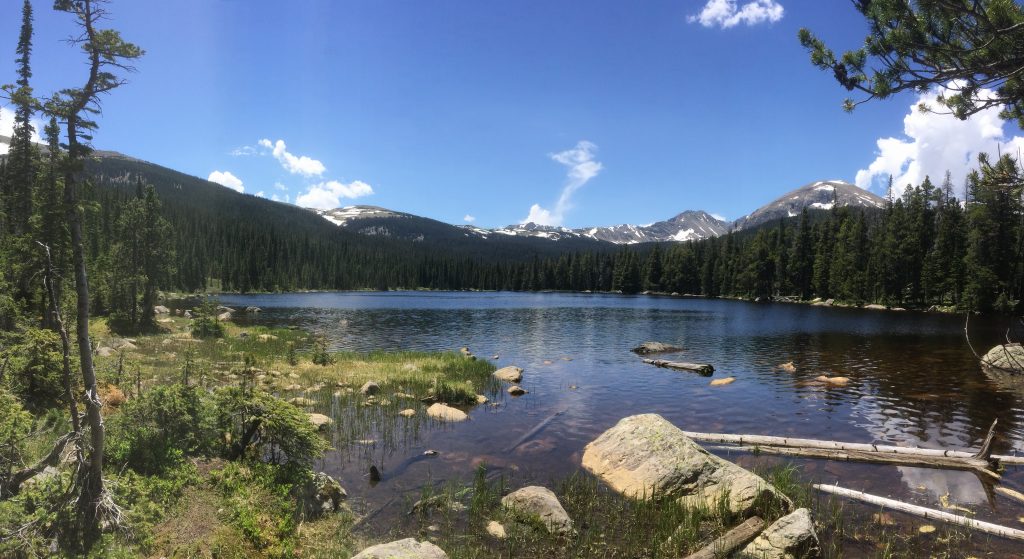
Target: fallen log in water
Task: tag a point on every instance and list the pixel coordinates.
(924, 512)
(731, 540)
(765, 440)
(975, 465)
(699, 368)
(533, 432)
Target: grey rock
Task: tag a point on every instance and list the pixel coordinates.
(645, 456)
(1005, 358)
(790, 537)
(648, 348)
(509, 374)
(542, 503)
(320, 495)
(160, 309)
(408, 548)
(370, 388)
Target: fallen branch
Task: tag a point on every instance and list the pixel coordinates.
(700, 368)
(924, 512)
(533, 432)
(731, 540)
(13, 485)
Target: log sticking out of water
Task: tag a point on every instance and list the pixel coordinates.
(924, 512)
(699, 368)
(971, 464)
(731, 540)
(766, 441)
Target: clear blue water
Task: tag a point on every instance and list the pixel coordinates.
(914, 381)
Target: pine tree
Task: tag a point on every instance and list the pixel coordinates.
(20, 172)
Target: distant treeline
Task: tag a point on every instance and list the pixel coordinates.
(150, 228)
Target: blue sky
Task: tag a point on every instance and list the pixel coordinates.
(596, 112)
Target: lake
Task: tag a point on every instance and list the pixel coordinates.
(914, 382)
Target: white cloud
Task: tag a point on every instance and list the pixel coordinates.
(278, 198)
(727, 13)
(244, 151)
(279, 186)
(582, 168)
(7, 128)
(468, 218)
(261, 194)
(225, 178)
(327, 195)
(936, 143)
(296, 165)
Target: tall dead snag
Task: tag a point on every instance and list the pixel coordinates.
(107, 53)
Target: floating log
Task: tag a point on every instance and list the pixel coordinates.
(975, 465)
(1011, 493)
(731, 540)
(699, 368)
(765, 440)
(924, 512)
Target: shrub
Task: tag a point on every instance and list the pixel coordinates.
(15, 424)
(320, 354)
(154, 432)
(262, 425)
(36, 368)
(204, 322)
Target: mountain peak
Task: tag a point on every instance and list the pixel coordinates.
(818, 195)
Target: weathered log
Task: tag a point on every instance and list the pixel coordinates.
(699, 368)
(765, 440)
(975, 465)
(731, 540)
(924, 512)
(1011, 493)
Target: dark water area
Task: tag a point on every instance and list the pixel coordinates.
(914, 382)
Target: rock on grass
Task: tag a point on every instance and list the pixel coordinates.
(408, 548)
(542, 503)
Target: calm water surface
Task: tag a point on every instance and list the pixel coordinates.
(914, 382)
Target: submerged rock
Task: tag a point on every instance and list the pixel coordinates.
(834, 381)
(788, 367)
(542, 503)
(445, 412)
(509, 374)
(645, 456)
(408, 548)
(723, 381)
(648, 348)
(1005, 358)
(516, 390)
(790, 537)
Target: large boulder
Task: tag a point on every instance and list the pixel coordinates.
(648, 348)
(444, 412)
(408, 548)
(542, 503)
(1005, 358)
(321, 494)
(224, 316)
(509, 374)
(790, 537)
(645, 456)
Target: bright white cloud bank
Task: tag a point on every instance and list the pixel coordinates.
(225, 178)
(328, 195)
(936, 143)
(7, 128)
(582, 167)
(294, 164)
(729, 13)
(468, 218)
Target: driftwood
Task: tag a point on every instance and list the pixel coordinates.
(731, 540)
(1011, 493)
(700, 368)
(924, 512)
